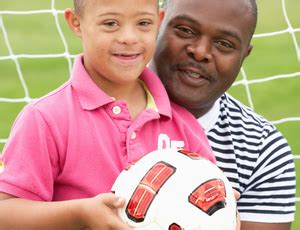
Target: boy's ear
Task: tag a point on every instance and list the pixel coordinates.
(73, 21)
(161, 14)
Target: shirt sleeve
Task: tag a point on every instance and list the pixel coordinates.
(30, 158)
(270, 194)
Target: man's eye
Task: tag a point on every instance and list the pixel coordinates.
(225, 44)
(184, 31)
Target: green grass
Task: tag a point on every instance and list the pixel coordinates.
(37, 34)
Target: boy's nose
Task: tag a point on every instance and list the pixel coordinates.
(128, 35)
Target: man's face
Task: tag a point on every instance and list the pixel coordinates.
(201, 47)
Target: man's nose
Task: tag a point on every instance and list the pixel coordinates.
(200, 50)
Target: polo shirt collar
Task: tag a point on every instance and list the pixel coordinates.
(89, 94)
(157, 91)
(91, 97)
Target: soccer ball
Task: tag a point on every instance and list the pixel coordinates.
(176, 189)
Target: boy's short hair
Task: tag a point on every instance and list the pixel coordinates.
(79, 6)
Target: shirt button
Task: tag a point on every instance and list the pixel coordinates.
(116, 110)
(133, 135)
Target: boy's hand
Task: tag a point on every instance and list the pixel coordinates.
(100, 212)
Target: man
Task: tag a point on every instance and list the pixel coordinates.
(201, 47)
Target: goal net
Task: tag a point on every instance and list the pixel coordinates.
(37, 51)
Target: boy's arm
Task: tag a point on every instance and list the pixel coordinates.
(96, 213)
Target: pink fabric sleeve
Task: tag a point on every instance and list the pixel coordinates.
(30, 158)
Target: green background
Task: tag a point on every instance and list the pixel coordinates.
(37, 34)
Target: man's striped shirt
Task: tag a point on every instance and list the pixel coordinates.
(255, 157)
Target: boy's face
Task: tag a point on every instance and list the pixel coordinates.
(118, 37)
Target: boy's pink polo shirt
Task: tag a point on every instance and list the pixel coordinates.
(75, 141)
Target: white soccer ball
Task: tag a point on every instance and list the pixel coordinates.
(176, 189)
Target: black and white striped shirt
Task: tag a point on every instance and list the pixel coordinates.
(256, 159)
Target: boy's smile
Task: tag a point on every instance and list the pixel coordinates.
(118, 39)
(129, 59)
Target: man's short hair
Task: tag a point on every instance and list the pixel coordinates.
(253, 9)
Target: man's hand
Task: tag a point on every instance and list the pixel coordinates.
(237, 196)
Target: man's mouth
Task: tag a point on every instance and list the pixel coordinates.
(194, 71)
(192, 74)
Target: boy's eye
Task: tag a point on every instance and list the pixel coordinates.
(110, 23)
(144, 23)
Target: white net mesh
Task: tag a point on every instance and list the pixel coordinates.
(278, 65)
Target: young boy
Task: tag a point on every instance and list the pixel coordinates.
(69, 146)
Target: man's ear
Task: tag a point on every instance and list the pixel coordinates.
(73, 21)
(249, 49)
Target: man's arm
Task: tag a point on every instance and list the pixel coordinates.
(273, 187)
(95, 213)
(246, 225)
